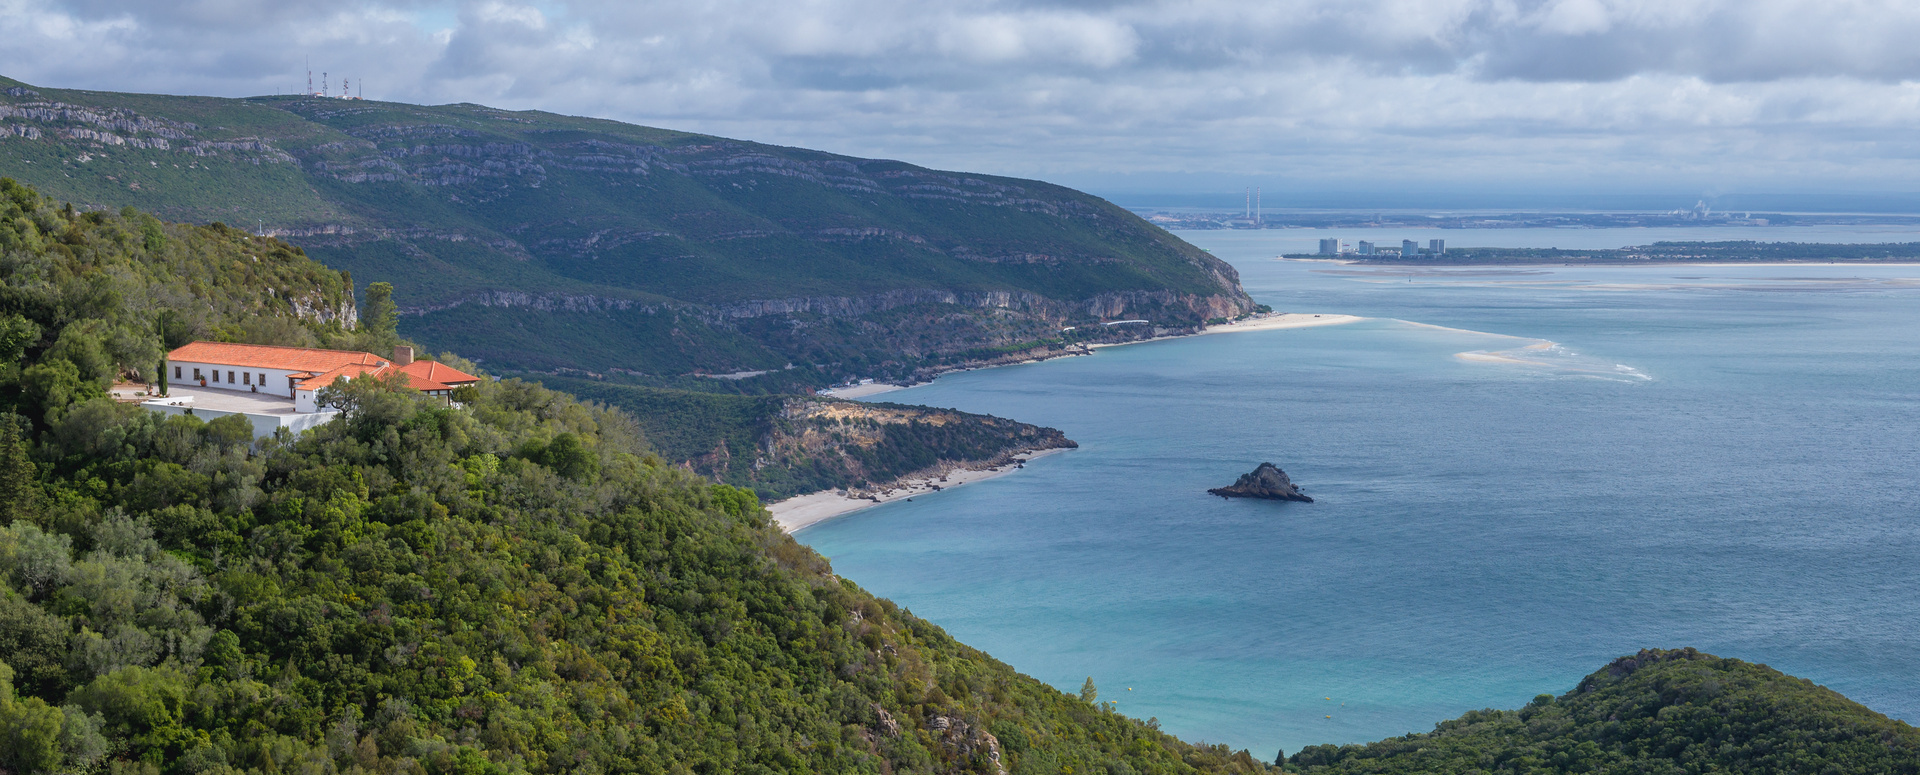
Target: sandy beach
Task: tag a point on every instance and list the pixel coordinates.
(795, 513)
(862, 391)
(1283, 320)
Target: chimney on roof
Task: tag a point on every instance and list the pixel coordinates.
(402, 355)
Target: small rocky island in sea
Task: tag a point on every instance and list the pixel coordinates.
(1267, 481)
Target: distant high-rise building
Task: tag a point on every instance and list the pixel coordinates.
(1437, 247)
(1366, 248)
(1330, 246)
(1409, 247)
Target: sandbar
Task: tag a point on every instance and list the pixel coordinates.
(1487, 357)
(811, 509)
(1282, 320)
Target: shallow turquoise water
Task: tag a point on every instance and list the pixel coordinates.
(1716, 457)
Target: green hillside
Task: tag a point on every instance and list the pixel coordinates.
(516, 584)
(1652, 713)
(538, 241)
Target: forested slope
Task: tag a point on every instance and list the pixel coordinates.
(1653, 713)
(516, 584)
(531, 240)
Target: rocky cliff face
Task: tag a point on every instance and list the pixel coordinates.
(862, 447)
(492, 223)
(1267, 481)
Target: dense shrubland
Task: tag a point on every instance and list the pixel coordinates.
(514, 583)
(1655, 713)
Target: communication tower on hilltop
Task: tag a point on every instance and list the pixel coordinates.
(309, 76)
(323, 84)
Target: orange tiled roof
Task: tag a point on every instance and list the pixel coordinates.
(425, 386)
(440, 375)
(350, 371)
(260, 356)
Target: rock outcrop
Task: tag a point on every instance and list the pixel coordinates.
(1268, 482)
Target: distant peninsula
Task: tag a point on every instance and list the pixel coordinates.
(1734, 251)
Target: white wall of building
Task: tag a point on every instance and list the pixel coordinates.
(254, 380)
(263, 424)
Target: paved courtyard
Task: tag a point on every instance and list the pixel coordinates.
(230, 401)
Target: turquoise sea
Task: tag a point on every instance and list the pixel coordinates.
(1719, 457)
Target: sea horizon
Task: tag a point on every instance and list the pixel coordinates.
(1522, 473)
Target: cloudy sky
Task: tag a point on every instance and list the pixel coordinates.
(1190, 96)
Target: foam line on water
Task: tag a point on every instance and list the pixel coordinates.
(1540, 354)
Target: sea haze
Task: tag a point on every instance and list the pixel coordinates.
(1717, 457)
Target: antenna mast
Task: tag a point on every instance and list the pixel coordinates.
(309, 76)
(324, 88)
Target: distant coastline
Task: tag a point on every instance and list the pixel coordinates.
(1736, 253)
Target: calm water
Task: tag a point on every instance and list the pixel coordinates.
(1722, 458)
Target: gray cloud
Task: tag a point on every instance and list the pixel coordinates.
(1416, 92)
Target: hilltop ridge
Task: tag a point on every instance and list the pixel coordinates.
(1655, 711)
(537, 241)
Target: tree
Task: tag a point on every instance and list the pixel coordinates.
(174, 329)
(568, 457)
(1089, 692)
(54, 385)
(16, 335)
(379, 324)
(29, 734)
(229, 431)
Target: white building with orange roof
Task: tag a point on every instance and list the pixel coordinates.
(279, 386)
